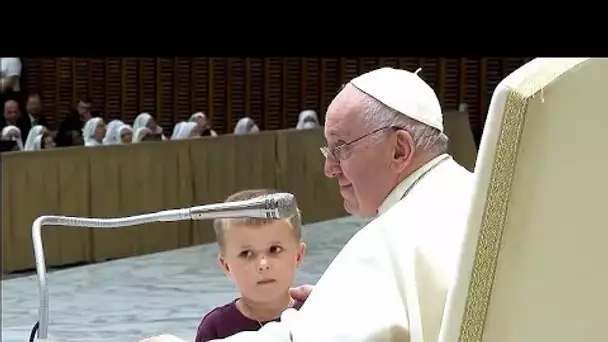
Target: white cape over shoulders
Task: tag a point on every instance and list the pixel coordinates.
(390, 281)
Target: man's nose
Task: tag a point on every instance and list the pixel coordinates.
(331, 167)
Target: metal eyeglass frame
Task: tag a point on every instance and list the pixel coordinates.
(332, 151)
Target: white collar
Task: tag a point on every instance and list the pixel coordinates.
(400, 190)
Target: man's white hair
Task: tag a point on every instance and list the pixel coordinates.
(427, 139)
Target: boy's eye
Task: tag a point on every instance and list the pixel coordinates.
(276, 249)
(245, 254)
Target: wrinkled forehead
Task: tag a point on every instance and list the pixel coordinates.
(344, 118)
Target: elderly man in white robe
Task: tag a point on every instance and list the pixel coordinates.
(387, 150)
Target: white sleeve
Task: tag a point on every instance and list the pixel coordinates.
(12, 66)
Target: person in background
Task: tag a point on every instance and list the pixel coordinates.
(34, 132)
(146, 120)
(112, 137)
(10, 80)
(125, 134)
(204, 126)
(246, 125)
(176, 129)
(263, 271)
(188, 130)
(308, 119)
(44, 142)
(141, 134)
(33, 107)
(70, 130)
(12, 117)
(13, 133)
(93, 132)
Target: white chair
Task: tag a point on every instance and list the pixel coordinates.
(534, 266)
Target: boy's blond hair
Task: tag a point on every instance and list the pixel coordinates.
(220, 225)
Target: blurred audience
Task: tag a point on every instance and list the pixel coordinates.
(43, 142)
(84, 126)
(33, 107)
(188, 130)
(246, 125)
(308, 119)
(10, 80)
(203, 123)
(70, 130)
(125, 134)
(112, 134)
(146, 120)
(34, 132)
(93, 132)
(13, 133)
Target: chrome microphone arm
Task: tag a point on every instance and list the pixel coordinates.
(274, 206)
(43, 312)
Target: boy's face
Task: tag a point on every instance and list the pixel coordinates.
(261, 260)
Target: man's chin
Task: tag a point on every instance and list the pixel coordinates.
(354, 209)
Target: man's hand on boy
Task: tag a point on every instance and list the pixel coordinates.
(301, 293)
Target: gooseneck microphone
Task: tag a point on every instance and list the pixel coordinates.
(272, 206)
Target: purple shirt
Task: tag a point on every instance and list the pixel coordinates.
(227, 320)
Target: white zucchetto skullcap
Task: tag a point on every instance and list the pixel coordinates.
(404, 92)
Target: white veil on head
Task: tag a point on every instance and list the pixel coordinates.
(140, 133)
(38, 142)
(88, 131)
(34, 132)
(200, 115)
(112, 134)
(120, 131)
(246, 125)
(308, 119)
(185, 130)
(176, 129)
(141, 121)
(10, 128)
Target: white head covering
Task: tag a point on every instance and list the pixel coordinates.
(139, 134)
(89, 131)
(246, 125)
(17, 139)
(120, 132)
(112, 136)
(176, 129)
(305, 117)
(198, 115)
(38, 142)
(141, 121)
(404, 92)
(185, 130)
(34, 132)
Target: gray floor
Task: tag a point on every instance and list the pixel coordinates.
(126, 300)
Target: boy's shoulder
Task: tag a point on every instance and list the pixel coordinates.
(211, 326)
(216, 315)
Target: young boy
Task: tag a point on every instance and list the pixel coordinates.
(261, 258)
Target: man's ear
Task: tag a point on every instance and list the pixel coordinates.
(403, 151)
(301, 253)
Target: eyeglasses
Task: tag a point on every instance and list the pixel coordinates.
(339, 152)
